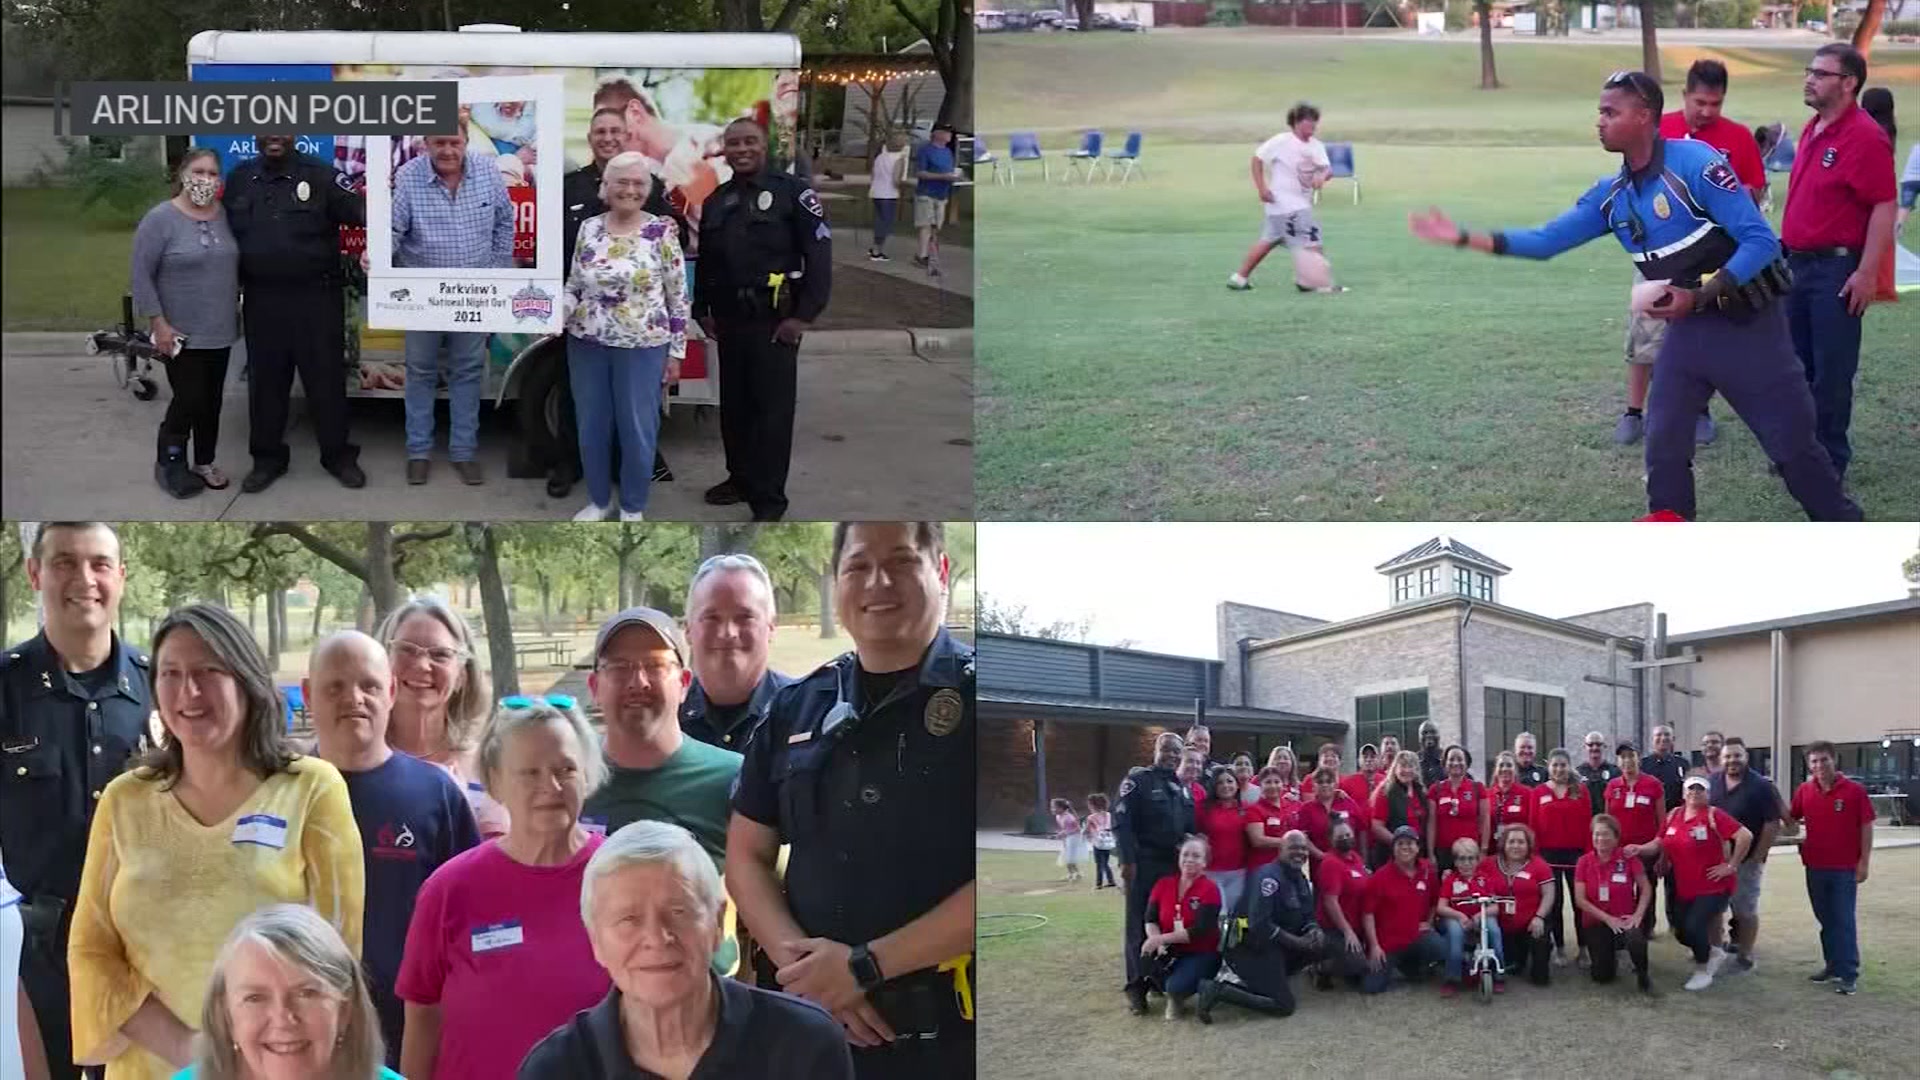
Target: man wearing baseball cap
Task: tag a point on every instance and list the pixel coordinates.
(654, 772)
(866, 769)
(1680, 212)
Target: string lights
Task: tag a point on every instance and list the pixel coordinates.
(857, 70)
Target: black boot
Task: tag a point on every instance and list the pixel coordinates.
(1137, 998)
(1247, 999)
(173, 475)
(1203, 1004)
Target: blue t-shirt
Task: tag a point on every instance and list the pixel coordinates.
(413, 818)
(936, 159)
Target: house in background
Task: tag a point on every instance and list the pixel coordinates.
(910, 103)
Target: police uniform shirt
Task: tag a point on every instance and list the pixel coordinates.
(1279, 897)
(287, 222)
(1531, 775)
(580, 196)
(61, 741)
(729, 726)
(878, 806)
(1681, 218)
(755, 226)
(1670, 770)
(1596, 777)
(1151, 816)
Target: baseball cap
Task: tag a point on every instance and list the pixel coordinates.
(1406, 832)
(1626, 747)
(1697, 781)
(658, 621)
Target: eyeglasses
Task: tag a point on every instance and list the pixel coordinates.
(522, 701)
(440, 655)
(622, 671)
(1817, 73)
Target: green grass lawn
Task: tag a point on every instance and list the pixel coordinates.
(1120, 379)
(64, 270)
(1051, 995)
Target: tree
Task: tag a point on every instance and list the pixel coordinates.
(795, 555)
(749, 16)
(1489, 78)
(996, 617)
(948, 30)
(960, 554)
(380, 558)
(485, 546)
(1869, 27)
(1649, 48)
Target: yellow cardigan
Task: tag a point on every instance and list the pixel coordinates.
(161, 892)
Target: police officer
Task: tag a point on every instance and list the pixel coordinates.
(730, 619)
(1433, 764)
(1282, 937)
(1531, 772)
(866, 769)
(286, 209)
(1152, 814)
(763, 276)
(580, 196)
(1596, 772)
(74, 704)
(1679, 210)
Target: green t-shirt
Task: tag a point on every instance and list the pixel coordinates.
(692, 789)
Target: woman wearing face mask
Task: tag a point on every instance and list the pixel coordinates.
(1563, 825)
(1223, 821)
(439, 699)
(186, 284)
(1340, 880)
(288, 1001)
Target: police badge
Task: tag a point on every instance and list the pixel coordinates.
(943, 712)
(765, 201)
(1662, 209)
(302, 191)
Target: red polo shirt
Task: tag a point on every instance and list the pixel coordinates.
(1274, 821)
(1342, 879)
(1226, 831)
(1317, 821)
(1455, 887)
(1359, 786)
(1562, 821)
(1613, 886)
(1839, 176)
(1524, 886)
(1169, 907)
(1695, 845)
(1833, 823)
(1514, 804)
(1416, 812)
(1456, 811)
(1400, 903)
(1637, 809)
(1731, 139)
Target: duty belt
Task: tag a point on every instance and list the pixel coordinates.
(1743, 302)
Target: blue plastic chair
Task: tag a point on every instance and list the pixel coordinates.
(984, 155)
(1780, 158)
(296, 703)
(1025, 146)
(1340, 158)
(1130, 155)
(1089, 153)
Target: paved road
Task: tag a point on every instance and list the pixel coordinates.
(884, 430)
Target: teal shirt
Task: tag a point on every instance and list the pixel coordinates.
(189, 1073)
(692, 789)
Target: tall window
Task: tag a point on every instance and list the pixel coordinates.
(1463, 581)
(1510, 712)
(1399, 714)
(1429, 580)
(1868, 762)
(1483, 587)
(1402, 587)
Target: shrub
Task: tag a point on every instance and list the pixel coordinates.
(114, 190)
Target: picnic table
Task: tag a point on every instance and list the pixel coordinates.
(551, 652)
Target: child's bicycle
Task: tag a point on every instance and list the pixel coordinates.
(132, 353)
(1484, 967)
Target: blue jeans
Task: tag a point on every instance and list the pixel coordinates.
(1413, 961)
(1833, 893)
(1184, 978)
(884, 211)
(466, 371)
(616, 392)
(1827, 339)
(1456, 934)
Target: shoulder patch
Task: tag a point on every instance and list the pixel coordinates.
(342, 181)
(1126, 787)
(1269, 886)
(811, 204)
(1720, 175)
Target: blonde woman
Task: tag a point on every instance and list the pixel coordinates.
(186, 284)
(496, 955)
(626, 321)
(216, 822)
(285, 979)
(439, 698)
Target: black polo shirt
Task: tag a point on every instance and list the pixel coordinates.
(729, 727)
(878, 809)
(63, 736)
(1532, 775)
(1596, 778)
(1754, 803)
(1670, 770)
(759, 1035)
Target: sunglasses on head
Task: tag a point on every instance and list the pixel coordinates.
(522, 701)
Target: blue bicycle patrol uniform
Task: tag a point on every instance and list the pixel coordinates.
(1684, 218)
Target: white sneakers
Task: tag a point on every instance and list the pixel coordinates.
(1703, 976)
(593, 512)
(632, 515)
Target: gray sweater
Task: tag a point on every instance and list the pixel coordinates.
(188, 271)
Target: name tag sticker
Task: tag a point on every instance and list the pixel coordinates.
(1421, 885)
(1459, 886)
(1514, 809)
(1621, 878)
(263, 829)
(595, 825)
(502, 935)
(1526, 874)
(1699, 832)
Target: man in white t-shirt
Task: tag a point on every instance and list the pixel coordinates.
(1287, 170)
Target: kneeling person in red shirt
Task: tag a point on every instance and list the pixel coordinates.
(1614, 893)
(1183, 928)
(1398, 914)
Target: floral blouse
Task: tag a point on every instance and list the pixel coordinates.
(629, 292)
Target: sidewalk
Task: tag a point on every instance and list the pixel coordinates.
(956, 262)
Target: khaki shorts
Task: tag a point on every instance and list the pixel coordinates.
(929, 212)
(1746, 893)
(1644, 333)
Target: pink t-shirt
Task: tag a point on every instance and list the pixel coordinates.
(487, 930)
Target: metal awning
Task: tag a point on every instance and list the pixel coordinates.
(1027, 705)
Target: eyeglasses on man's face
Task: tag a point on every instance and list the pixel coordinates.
(1822, 73)
(623, 671)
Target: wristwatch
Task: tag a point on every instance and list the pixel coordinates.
(866, 970)
(1463, 239)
